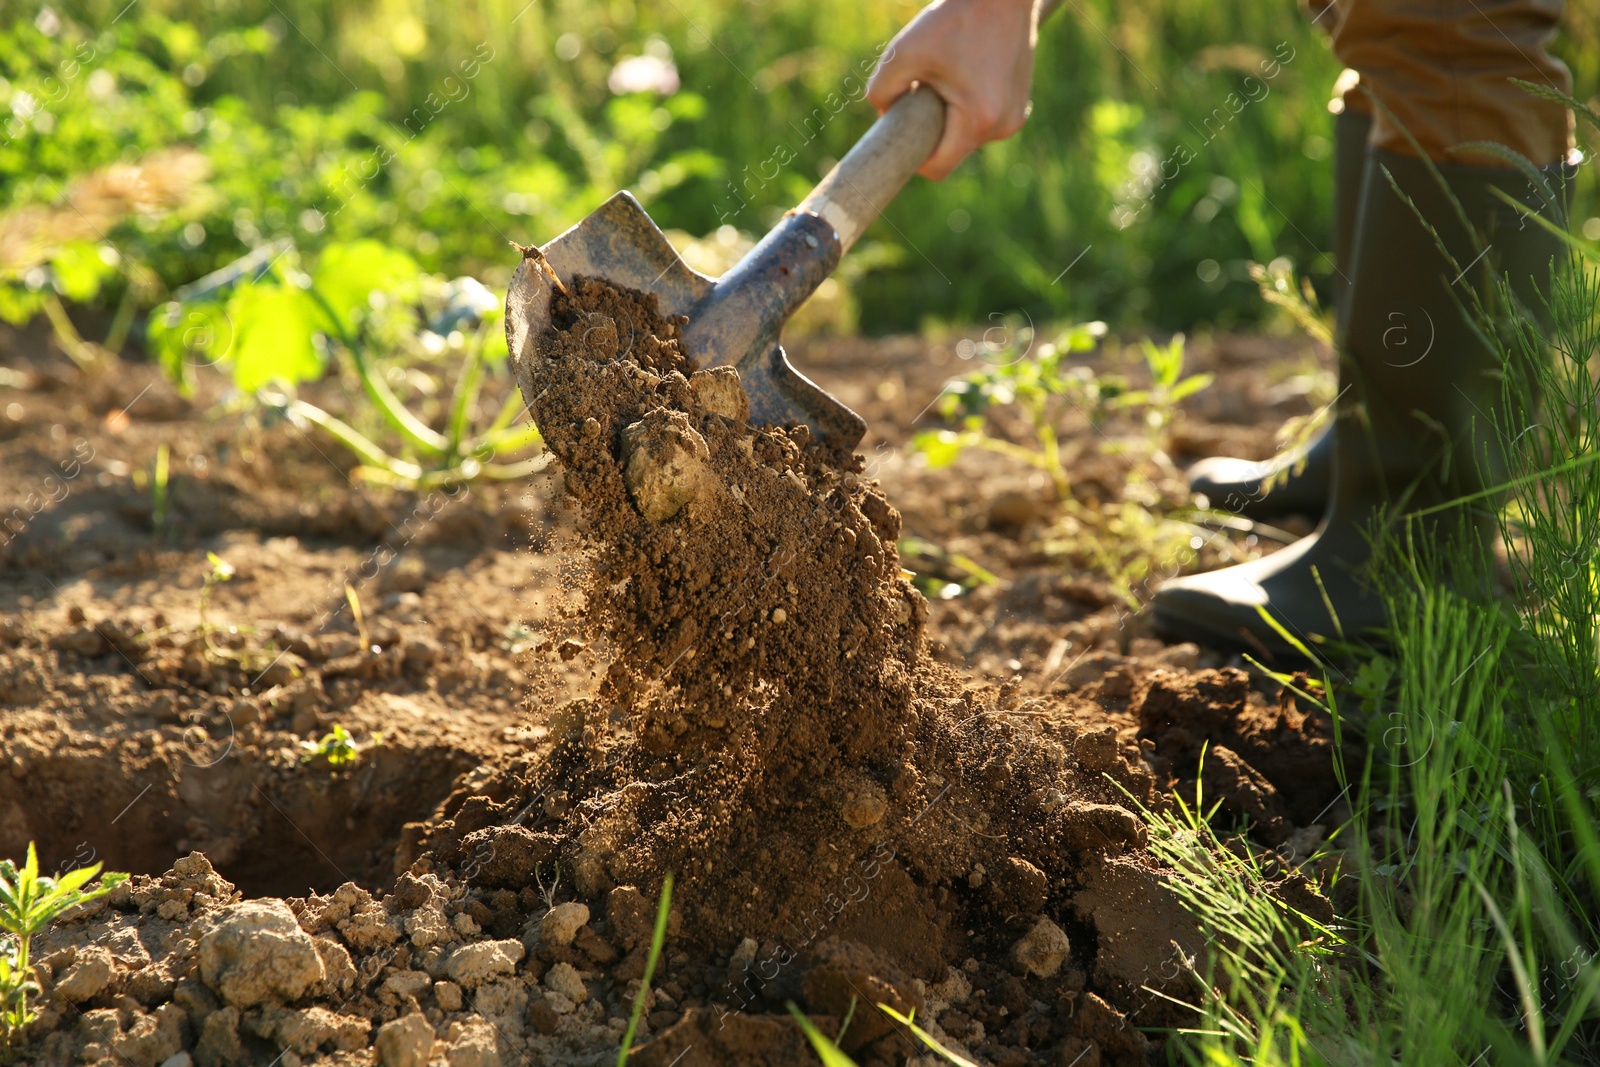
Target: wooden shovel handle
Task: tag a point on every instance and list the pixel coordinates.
(873, 172)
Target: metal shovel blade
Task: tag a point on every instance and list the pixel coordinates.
(733, 321)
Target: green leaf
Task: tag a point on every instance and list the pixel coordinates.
(274, 330)
(348, 274)
(75, 878)
(942, 447)
(1189, 386)
(1165, 361)
(1133, 399)
(18, 305)
(1289, 638)
(1082, 337)
(184, 335)
(686, 106)
(79, 270)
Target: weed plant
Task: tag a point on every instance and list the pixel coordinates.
(1018, 402)
(274, 326)
(336, 748)
(29, 903)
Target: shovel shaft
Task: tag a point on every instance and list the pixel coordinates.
(749, 305)
(874, 171)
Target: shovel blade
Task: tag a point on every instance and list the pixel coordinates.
(619, 242)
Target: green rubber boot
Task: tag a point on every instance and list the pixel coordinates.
(1422, 390)
(1300, 478)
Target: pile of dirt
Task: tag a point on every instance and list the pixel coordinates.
(848, 822)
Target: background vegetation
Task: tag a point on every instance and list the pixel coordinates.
(447, 129)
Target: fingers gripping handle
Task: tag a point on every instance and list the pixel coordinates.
(873, 172)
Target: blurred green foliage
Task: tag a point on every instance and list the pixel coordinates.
(448, 129)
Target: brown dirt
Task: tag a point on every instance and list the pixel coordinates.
(878, 798)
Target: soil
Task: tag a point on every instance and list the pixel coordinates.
(691, 649)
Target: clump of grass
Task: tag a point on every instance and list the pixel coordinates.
(29, 903)
(1474, 837)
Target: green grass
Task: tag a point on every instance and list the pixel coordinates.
(1475, 864)
(658, 938)
(829, 1053)
(1474, 846)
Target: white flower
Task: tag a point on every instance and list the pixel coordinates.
(644, 74)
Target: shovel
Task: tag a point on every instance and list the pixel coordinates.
(735, 320)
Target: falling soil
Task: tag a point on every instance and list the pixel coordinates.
(848, 821)
(774, 716)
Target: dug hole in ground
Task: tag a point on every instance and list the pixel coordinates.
(731, 680)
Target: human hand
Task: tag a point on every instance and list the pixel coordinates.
(978, 56)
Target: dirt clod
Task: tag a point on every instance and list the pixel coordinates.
(665, 465)
(257, 952)
(561, 923)
(473, 964)
(563, 979)
(404, 1042)
(1019, 887)
(89, 974)
(1042, 950)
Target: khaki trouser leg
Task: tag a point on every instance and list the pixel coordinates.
(1441, 70)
